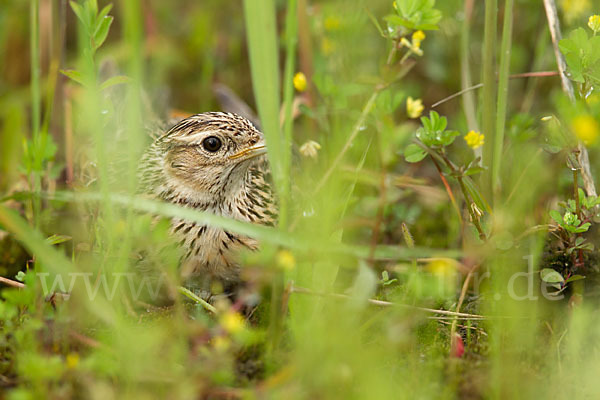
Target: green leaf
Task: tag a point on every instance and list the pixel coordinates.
(476, 195)
(408, 7)
(375, 22)
(429, 20)
(551, 276)
(441, 124)
(73, 75)
(395, 20)
(104, 12)
(583, 228)
(115, 80)
(575, 67)
(57, 239)
(580, 38)
(555, 215)
(261, 31)
(102, 31)
(567, 46)
(414, 153)
(474, 171)
(80, 14)
(20, 276)
(575, 278)
(587, 247)
(594, 44)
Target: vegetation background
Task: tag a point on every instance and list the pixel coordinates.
(384, 279)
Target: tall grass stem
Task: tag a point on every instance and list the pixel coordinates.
(489, 89)
(505, 51)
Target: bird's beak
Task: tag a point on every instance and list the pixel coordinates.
(251, 152)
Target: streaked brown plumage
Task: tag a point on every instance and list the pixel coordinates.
(211, 162)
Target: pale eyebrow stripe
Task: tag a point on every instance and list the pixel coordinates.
(195, 136)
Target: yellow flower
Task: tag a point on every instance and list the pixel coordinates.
(310, 149)
(474, 139)
(593, 99)
(414, 46)
(72, 360)
(414, 108)
(443, 267)
(586, 128)
(221, 343)
(594, 23)
(286, 260)
(574, 9)
(232, 322)
(300, 81)
(327, 46)
(332, 23)
(395, 5)
(417, 38)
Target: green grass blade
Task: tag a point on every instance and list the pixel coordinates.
(262, 46)
(505, 52)
(489, 90)
(291, 39)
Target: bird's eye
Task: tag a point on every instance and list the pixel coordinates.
(212, 144)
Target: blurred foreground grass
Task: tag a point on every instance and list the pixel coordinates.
(376, 283)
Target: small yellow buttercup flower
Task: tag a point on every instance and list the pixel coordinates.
(594, 23)
(232, 322)
(221, 343)
(300, 81)
(414, 46)
(327, 46)
(286, 260)
(332, 23)
(414, 108)
(443, 267)
(310, 149)
(72, 360)
(418, 37)
(574, 9)
(586, 128)
(474, 139)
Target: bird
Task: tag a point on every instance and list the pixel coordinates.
(213, 162)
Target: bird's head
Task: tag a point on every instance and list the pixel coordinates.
(209, 154)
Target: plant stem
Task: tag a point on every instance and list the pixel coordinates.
(554, 25)
(474, 218)
(576, 195)
(291, 39)
(355, 131)
(448, 190)
(489, 89)
(465, 70)
(359, 123)
(36, 98)
(468, 200)
(502, 96)
(192, 296)
(538, 74)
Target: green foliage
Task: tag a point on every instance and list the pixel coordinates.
(433, 133)
(96, 24)
(569, 221)
(582, 54)
(351, 304)
(414, 15)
